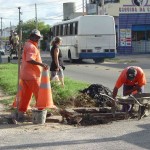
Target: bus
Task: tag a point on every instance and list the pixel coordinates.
(87, 37)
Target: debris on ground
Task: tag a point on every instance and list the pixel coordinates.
(99, 93)
(90, 116)
(91, 106)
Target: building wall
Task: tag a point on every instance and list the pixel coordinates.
(129, 14)
(113, 8)
(127, 21)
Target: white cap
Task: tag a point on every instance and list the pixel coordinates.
(36, 32)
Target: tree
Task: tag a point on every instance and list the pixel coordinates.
(28, 26)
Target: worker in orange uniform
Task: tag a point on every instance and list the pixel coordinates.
(133, 80)
(30, 72)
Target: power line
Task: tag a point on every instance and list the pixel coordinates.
(44, 3)
(57, 4)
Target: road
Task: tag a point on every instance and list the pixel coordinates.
(105, 73)
(118, 135)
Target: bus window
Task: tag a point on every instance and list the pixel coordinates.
(54, 33)
(57, 30)
(71, 28)
(66, 29)
(61, 29)
(76, 28)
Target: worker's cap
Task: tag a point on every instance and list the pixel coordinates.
(131, 73)
(36, 32)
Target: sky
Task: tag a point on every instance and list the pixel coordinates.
(48, 11)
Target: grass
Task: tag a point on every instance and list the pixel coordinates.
(8, 78)
(8, 82)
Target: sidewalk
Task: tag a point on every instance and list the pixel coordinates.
(141, 58)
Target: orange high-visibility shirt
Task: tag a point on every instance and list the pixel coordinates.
(140, 78)
(30, 52)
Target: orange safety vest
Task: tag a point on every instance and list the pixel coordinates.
(29, 71)
(140, 78)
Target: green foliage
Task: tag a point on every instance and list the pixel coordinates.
(28, 26)
(8, 78)
(8, 82)
(7, 102)
(71, 90)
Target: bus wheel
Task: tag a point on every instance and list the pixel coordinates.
(69, 56)
(80, 60)
(98, 60)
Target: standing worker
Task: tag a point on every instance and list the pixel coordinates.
(57, 66)
(30, 72)
(15, 39)
(133, 80)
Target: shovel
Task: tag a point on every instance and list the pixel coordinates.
(141, 107)
(113, 108)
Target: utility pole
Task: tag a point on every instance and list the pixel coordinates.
(10, 27)
(83, 6)
(19, 57)
(102, 5)
(97, 5)
(36, 22)
(1, 28)
(86, 6)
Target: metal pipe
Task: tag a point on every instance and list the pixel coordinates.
(136, 100)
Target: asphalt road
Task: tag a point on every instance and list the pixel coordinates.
(121, 135)
(118, 135)
(105, 73)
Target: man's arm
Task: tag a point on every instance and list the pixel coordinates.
(115, 91)
(33, 62)
(135, 88)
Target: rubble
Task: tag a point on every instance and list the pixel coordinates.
(99, 93)
(93, 106)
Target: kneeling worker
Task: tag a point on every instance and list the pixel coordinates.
(133, 80)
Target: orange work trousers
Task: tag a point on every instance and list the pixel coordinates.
(29, 88)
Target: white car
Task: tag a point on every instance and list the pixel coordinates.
(2, 51)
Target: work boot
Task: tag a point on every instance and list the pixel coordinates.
(21, 117)
(126, 108)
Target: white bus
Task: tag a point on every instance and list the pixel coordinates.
(87, 37)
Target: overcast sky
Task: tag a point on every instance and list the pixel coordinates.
(49, 11)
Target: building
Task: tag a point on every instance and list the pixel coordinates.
(132, 18)
(69, 11)
(134, 27)
(6, 31)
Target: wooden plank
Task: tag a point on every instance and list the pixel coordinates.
(141, 95)
(130, 100)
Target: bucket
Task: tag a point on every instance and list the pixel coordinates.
(39, 116)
